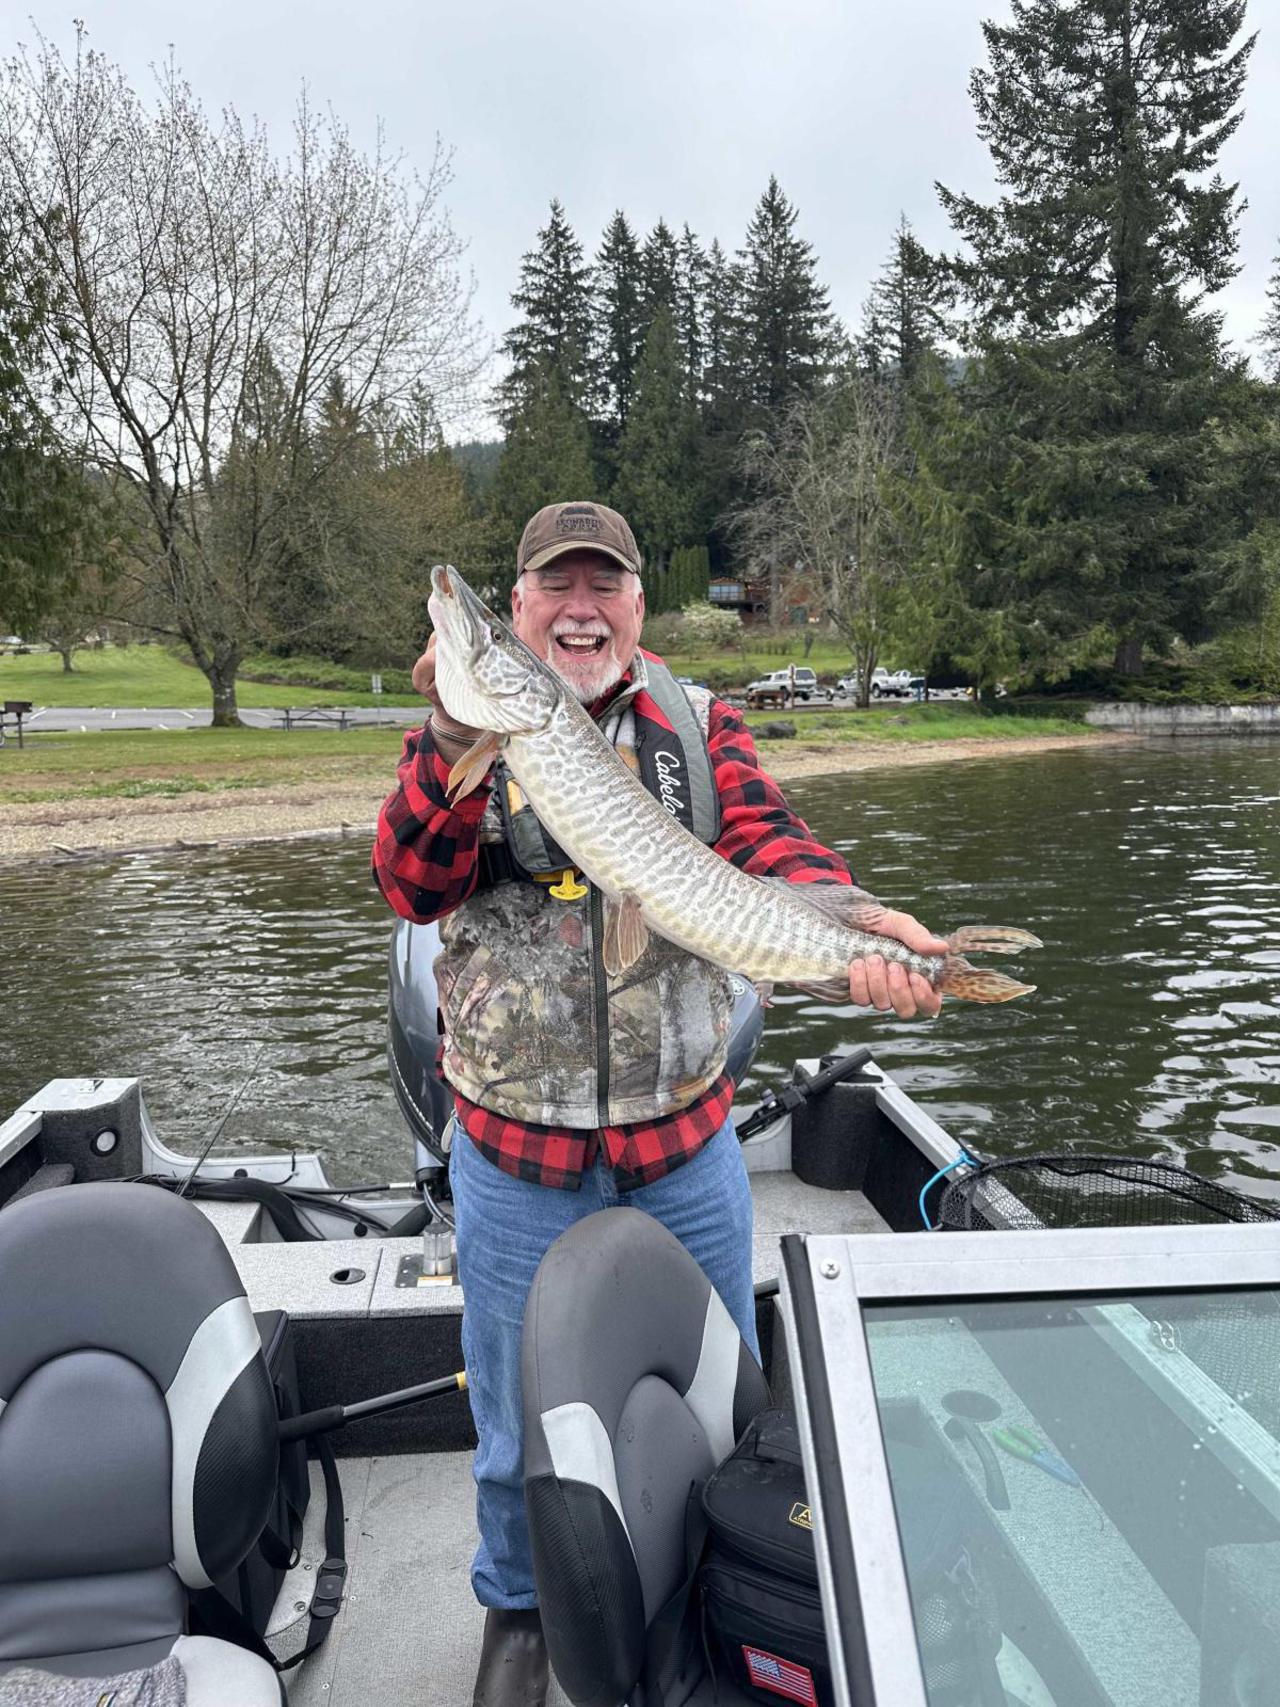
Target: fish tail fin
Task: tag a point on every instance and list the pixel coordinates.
(976, 984)
(991, 939)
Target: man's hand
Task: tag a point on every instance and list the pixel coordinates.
(879, 983)
(456, 736)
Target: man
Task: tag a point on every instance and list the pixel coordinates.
(576, 1090)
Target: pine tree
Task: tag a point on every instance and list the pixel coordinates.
(905, 317)
(718, 317)
(41, 498)
(659, 265)
(554, 333)
(787, 332)
(656, 487)
(1100, 364)
(1269, 337)
(691, 268)
(547, 459)
(619, 335)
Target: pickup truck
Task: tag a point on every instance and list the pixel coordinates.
(885, 684)
(775, 688)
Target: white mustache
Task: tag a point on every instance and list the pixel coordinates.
(583, 630)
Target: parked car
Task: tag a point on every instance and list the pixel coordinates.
(775, 688)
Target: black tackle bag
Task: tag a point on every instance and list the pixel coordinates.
(761, 1609)
(759, 1578)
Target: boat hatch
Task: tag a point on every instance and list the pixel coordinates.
(1045, 1465)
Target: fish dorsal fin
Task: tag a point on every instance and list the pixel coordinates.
(843, 903)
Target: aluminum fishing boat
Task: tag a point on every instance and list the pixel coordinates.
(1042, 1462)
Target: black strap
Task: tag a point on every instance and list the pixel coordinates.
(217, 1617)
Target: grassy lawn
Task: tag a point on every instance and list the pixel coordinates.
(827, 659)
(149, 676)
(134, 764)
(952, 721)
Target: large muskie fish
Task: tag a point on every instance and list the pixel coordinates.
(653, 874)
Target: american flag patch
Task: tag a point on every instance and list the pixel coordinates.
(782, 1677)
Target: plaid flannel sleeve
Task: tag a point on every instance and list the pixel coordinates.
(425, 857)
(758, 830)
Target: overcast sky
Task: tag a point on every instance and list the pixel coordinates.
(678, 108)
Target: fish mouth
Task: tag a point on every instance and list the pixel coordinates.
(465, 618)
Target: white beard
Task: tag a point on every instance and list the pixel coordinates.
(590, 677)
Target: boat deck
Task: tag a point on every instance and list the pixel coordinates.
(409, 1631)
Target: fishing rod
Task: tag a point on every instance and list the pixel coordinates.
(338, 1416)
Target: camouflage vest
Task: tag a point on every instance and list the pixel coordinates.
(536, 1030)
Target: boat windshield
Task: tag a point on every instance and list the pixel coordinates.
(1088, 1494)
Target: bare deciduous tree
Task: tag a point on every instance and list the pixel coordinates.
(830, 485)
(214, 290)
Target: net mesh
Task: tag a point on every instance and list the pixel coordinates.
(1090, 1191)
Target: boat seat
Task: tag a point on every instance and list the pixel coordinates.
(138, 1438)
(636, 1384)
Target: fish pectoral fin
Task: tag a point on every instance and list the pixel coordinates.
(626, 936)
(472, 768)
(842, 903)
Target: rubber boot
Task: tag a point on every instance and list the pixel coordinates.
(513, 1668)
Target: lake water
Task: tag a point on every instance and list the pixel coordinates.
(1152, 873)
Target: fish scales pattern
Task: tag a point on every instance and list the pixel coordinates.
(626, 842)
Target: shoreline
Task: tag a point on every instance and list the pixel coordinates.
(114, 826)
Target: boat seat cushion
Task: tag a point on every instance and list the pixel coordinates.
(197, 1671)
(636, 1384)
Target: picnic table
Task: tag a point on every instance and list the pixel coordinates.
(322, 714)
(13, 711)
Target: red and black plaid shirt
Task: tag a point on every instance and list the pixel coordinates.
(426, 861)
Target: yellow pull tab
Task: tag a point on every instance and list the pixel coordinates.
(567, 889)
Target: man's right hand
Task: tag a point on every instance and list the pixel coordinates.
(424, 682)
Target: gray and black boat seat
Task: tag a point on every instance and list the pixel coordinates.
(138, 1440)
(636, 1384)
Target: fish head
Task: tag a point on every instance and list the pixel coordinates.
(486, 675)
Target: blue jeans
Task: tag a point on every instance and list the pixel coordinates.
(505, 1226)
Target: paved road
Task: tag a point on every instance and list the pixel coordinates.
(87, 717)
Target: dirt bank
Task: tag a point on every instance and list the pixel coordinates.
(350, 807)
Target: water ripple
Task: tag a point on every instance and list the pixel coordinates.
(1152, 875)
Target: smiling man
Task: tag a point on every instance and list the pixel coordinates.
(576, 1090)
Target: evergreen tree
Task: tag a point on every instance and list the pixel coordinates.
(691, 267)
(905, 317)
(1269, 337)
(657, 467)
(554, 332)
(787, 333)
(547, 459)
(619, 325)
(42, 500)
(718, 317)
(1088, 275)
(659, 265)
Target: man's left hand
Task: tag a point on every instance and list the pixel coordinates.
(879, 983)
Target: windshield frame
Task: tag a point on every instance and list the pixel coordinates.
(829, 1279)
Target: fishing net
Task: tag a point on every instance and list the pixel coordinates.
(1090, 1191)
